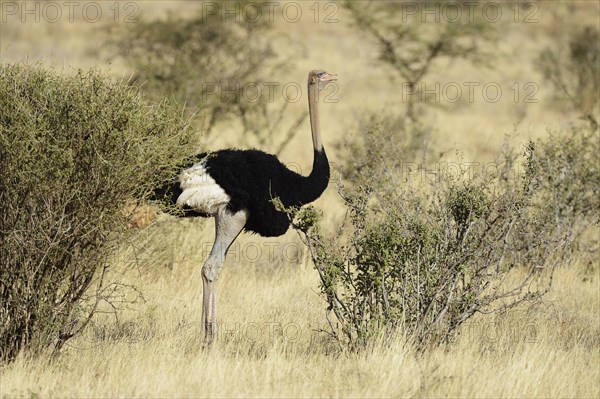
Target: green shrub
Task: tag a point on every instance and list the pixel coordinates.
(74, 150)
(567, 168)
(421, 259)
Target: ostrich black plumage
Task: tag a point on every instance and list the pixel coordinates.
(237, 188)
(251, 179)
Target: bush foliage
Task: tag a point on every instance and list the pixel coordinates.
(74, 150)
(421, 253)
(568, 170)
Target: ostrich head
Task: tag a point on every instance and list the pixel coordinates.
(320, 78)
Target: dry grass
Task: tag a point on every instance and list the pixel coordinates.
(268, 345)
(268, 306)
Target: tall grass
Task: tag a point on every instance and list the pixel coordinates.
(271, 345)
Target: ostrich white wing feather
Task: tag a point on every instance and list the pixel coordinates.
(200, 191)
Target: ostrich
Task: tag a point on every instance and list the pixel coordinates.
(236, 187)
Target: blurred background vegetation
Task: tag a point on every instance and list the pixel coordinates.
(134, 41)
(426, 130)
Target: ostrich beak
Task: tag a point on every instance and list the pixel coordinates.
(329, 77)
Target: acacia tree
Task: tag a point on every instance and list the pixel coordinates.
(413, 36)
(220, 66)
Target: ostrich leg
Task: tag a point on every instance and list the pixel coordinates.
(228, 226)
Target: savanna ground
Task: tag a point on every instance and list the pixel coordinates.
(270, 341)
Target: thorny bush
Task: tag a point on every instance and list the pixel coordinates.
(75, 149)
(419, 259)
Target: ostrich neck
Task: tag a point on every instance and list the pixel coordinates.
(305, 189)
(313, 110)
